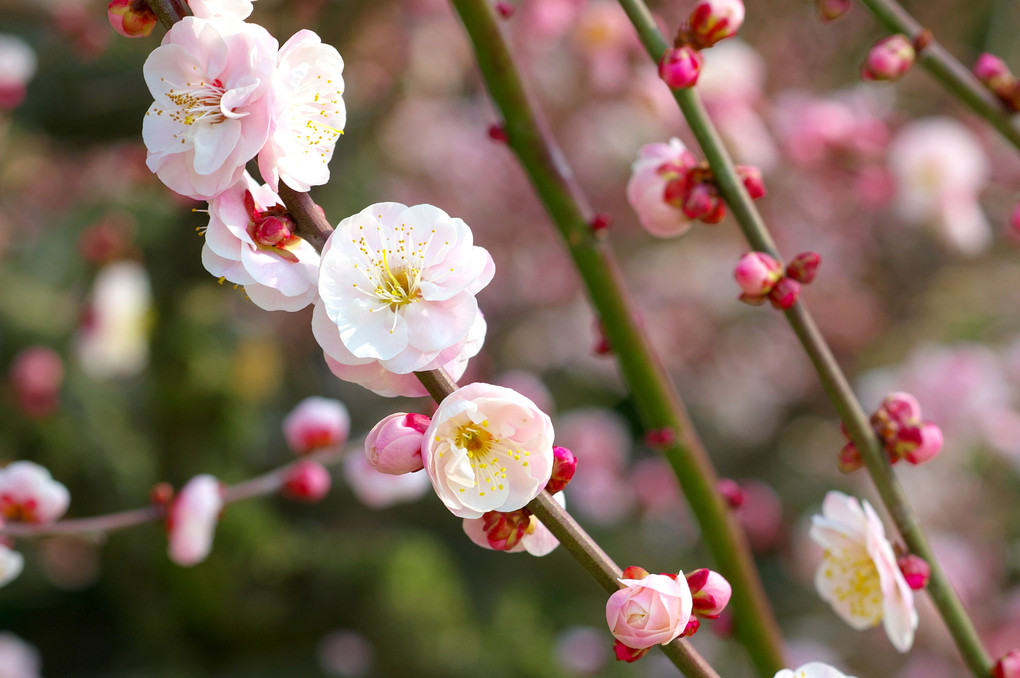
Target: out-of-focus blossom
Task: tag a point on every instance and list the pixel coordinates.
(603, 36)
(847, 125)
(905, 436)
(307, 481)
(915, 569)
(858, 575)
(757, 273)
(599, 490)
(400, 282)
(812, 670)
(11, 565)
(652, 610)
(889, 58)
(212, 84)
(660, 170)
(533, 536)
(713, 20)
(17, 66)
(210, 9)
(996, 76)
(310, 116)
(18, 659)
(581, 650)
(345, 653)
(379, 490)
(28, 493)
(679, 67)
(830, 10)
(487, 449)
(191, 520)
(1007, 666)
(940, 169)
(760, 514)
(710, 592)
(529, 385)
(131, 18)
(250, 241)
(804, 267)
(35, 377)
(316, 423)
(114, 338)
(394, 444)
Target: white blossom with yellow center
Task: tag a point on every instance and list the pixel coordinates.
(812, 670)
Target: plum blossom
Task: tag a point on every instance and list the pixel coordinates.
(858, 575)
(653, 610)
(399, 283)
(212, 84)
(191, 520)
(310, 114)
(394, 444)
(11, 564)
(250, 241)
(536, 539)
(18, 658)
(812, 670)
(17, 66)
(307, 481)
(316, 423)
(210, 9)
(658, 168)
(488, 448)
(114, 337)
(35, 376)
(29, 494)
(380, 490)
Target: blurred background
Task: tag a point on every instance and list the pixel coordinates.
(125, 364)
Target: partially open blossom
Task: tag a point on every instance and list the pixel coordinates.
(310, 116)
(11, 564)
(212, 84)
(35, 376)
(1008, 665)
(316, 423)
(191, 520)
(488, 448)
(710, 592)
(17, 66)
(29, 494)
(660, 171)
(307, 481)
(713, 20)
(131, 18)
(889, 58)
(250, 241)
(830, 10)
(898, 423)
(394, 444)
(915, 569)
(680, 66)
(514, 532)
(812, 670)
(379, 490)
(649, 611)
(858, 575)
(114, 338)
(399, 283)
(757, 274)
(208, 9)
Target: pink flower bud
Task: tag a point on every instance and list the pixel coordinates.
(700, 201)
(271, 231)
(1008, 665)
(497, 132)
(35, 376)
(564, 465)
(718, 212)
(131, 18)
(316, 423)
(649, 611)
(710, 591)
(600, 224)
(849, 459)
(731, 492)
(713, 20)
(785, 293)
(889, 58)
(915, 569)
(680, 66)
(898, 409)
(757, 273)
(995, 75)
(676, 190)
(307, 481)
(830, 10)
(628, 654)
(505, 530)
(693, 624)
(660, 437)
(634, 572)
(752, 180)
(505, 9)
(928, 444)
(804, 267)
(394, 444)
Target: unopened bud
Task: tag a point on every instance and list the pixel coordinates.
(131, 18)
(505, 530)
(393, 445)
(752, 180)
(307, 481)
(35, 378)
(564, 466)
(1008, 665)
(600, 224)
(889, 58)
(701, 200)
(713, 20)
(919, 444)
(680, 66)
(497, 132)
(693, 624)
(731, 492)
(849, 459)
(757, 273)
(710, 591)
(804, 267)
(161, 495)
(915, 569)
(830, 10)
(995, 75)
(271, 231)
(1014, 221)
(785, 293)
(316, 423)
(717, 214)
(625, 653)
(634, 572)
(660, 437)
(505, 9)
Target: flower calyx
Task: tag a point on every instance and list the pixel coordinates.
(272, 228)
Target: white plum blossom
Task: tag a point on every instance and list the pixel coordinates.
(18, 658)
(316, 423)
(812, 670)
(191, 520)
(209, 9)
(114, 338)
(11, 565)
(17, 66)
(399, 283)
(28, 493)
(212, 84)
(250, 241)
(310, 114)
(380, 490)
(488, 448)
(656, 167)
(537, 539)
(858, 575)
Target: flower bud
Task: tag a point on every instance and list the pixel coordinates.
(628, 654)
(306, 480)
(752, 180)
(830, 10)
(804, 267)
(757, 273)
(995, 75)
(718, 212)
(131, 18)
(680, 66)
(272, 230)
(713, 20)
(731, 492)
(920, 443)
(316, 423)
(497, 132)
(634, 572)
(564, 466)
(710, 591)
(394, 444)
(1014, 221)
(889, 58)
(849, 459)
(505, 9)
(505, 530)
(915, 569)
(700, 201)
(785, 293)
(1008, 665)
(693, 624)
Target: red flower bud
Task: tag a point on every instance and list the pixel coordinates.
(307, 481)
(628, 654)
(889, 58)
(830, 10)
(1008, 665)
(564, 465)
(785, 293)
(680, 67)
(752, 180)
(804, 267)
(915, 570)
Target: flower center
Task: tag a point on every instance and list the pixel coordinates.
(198, 102)
(397, 286)
(475, 440)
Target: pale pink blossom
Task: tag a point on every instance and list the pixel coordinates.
(191, 520)
(812, 670)
(649, 611)
(18, 658)
(17, 66)
(601, 441)
(11, 565)
(250, 242)
(113, 341)
(310, 114)
(537, 539)
(399, 283)
(858, 575)
(582, 650)
(380, 490)
(212, 84)
(316, 423)
(28, 493)
(487, 449)
(657, 166)
(394, 444)
(210, 9)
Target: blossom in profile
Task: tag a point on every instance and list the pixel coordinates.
(29, 494)
(649, 610)
(399, 283)
(113, 341)
(812, 670)
(250, 241)
(858, 575)
(17, 66)
(310, 114)
(661, 170)
(488, 448)
(191, 520)
(316, 423)
(212, 84)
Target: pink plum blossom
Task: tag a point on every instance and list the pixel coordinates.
(536, 538)
(394, 444)
(1008, 665)
(11, 564)
(210, 9)
(191, 520)
(380, 490)
(399, 283)
(316, 423)
(581, 650)
(858, 575)
(710, 592)
(812, 670)
(488, 448)
(757, 273)
(28, 493)
(889, 58)
(679, 67)
(713, 20)
(17, 66)
(250, 242)
(310, 114)
(114, 338)
(650, 611)
(307, 481)
(212, 84)
(657, 166)
(35, 377)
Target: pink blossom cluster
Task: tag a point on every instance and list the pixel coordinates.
(903, 433)
(708, 23)
(761, 277)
